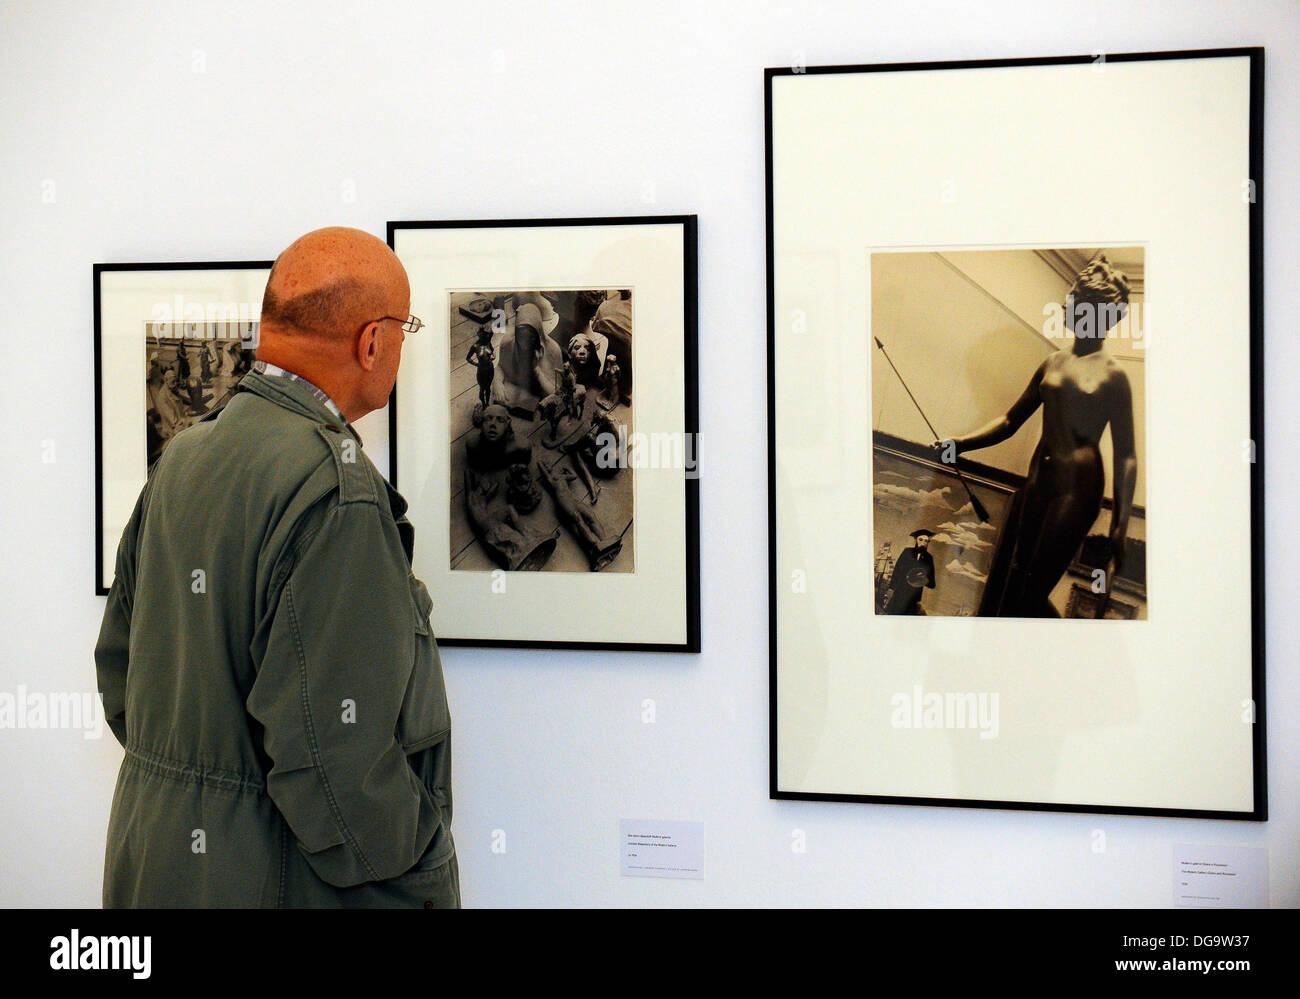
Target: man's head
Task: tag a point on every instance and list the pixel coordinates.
(1100, 292)
(581, 349)
(333, 311)
(496, 423)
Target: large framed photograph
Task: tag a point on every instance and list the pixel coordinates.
(1018, 304)
(172, 340)
(543, 430)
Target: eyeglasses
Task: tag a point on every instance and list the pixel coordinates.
(409, 325)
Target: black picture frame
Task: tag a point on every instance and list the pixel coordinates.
(1255, 513)
(690, 495)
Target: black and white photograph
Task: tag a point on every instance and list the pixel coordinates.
(541, 394)
(1020, 370)
(543, 429)
(190, 370)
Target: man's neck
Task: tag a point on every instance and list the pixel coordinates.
(319, 375)
(279, 371)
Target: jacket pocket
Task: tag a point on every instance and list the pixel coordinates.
(435, 886)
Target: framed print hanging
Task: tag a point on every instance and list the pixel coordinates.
(544, 430)
(1015, 416)
(171, 343)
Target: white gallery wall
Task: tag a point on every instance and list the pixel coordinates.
(193, 131)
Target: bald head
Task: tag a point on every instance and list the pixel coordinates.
(322, 315)
(329, 282)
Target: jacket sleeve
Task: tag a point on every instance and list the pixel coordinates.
(328, 693)
(112, 650)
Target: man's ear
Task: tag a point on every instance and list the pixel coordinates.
(368, 347)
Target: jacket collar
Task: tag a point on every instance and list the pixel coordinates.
(294, 395)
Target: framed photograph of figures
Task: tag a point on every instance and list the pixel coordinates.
(543, 430)
(172, 341)
(1015, 417)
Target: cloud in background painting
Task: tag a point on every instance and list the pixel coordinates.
(959, 568)
(966, 510)
(902, 498)
(962, 535)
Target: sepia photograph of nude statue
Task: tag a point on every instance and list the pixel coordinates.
(1020, 370)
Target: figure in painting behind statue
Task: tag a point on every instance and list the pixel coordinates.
(913, 574)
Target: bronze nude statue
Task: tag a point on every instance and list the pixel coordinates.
(483, 357)
(1082, 390)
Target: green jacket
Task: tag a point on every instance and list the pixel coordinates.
(266, 661)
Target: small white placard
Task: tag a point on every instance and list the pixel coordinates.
(1220, 877)
(654, 848)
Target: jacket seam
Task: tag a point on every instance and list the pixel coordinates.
(425, 742)
(335, 811)
(302, 543)
(299, 546)
(190, 773)
(348, 479)
(284, 864)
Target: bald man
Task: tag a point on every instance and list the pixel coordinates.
(265, 656)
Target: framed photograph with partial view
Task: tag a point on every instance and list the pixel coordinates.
(172, 341)
(1015, 453)
(543, 430)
